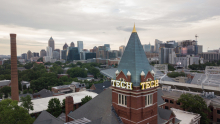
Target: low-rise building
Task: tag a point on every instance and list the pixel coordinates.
(43, 93)
(4, 83)
(25, 83)
(87, 78)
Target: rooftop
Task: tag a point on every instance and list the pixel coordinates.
(5, 82)
(186, 117)
(41, 104)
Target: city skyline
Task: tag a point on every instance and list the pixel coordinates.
(107, 22)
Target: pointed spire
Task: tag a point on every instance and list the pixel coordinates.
(134, 30)
(129, 73)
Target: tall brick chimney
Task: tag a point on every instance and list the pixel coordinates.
(14, 71)
(68, 107)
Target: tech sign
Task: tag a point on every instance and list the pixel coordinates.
(128, 85)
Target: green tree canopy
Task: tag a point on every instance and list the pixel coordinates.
(77, 72)
(11, 113)
(6, 90)
(54, 107)
(85, 99)
(195, 104)
(176, 74)
(27, 103)
(40, 59)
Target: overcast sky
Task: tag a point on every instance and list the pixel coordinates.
(98, 22)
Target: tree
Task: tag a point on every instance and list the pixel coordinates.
(27, 103)
(11, 113)
(77, 72)
(40, 59)
(5, 90)
(170, 67)
(85, 99)
(195, 104)
(54, 107)
(79, 63)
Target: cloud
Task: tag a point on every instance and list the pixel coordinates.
(105, 21)
(129, 29)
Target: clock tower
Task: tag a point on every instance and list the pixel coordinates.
(134, 88)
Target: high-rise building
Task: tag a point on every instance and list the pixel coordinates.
(157, 45)
(147, 47)
(83, 54)
(72, 54)
(122, 49)
(49, 52)
(29, 55)
(51, 43)
(107, 46)
(80, 45)
(65, 46)
(56, 55)
(58, 50)
(72, 44)
(24, 56)
(152, 48)
(164, 54)
(111, 55)
(63, 54)
(43, 53)
(90, 56)
(14, 71)
(116, 53)
(101, 52)
(35, 54)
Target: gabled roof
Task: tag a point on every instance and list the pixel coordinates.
(164, 113)
(98, 107)
(134, 59)
(160, 101)
(44, 93)
(101, 86)
(47, 118)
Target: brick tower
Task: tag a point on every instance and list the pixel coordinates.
(14, 71)
(134, 90)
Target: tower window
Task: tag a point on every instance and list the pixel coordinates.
(148, 99)
(122, 99)
(121, 79)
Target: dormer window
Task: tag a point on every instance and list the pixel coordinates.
(149, 79)
(121, 79)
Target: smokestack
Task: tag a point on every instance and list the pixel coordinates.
(14, 72)
(69, 107)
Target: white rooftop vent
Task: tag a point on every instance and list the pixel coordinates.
(152, 72)
(142, 73)
(129, 73)
(117, 72)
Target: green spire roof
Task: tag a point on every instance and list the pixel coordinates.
(134, 59)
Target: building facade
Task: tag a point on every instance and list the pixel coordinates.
(43, 53)
(24, 56)
(72, 44)
(80, 45)
(29, 55)
(50, 52)
(121, 50)
(157, 45)
(72, 54)
(51, 43)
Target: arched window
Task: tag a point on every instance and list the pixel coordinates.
(121, 79)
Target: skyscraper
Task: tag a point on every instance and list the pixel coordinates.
(58, 50)
(29, 55)
(14, 71)
(43, 53)
(72, 54)
(107, 47)
(147, 47)
(122, 49)
(72, 44)
(65, 46)
(157, 45)
(24, 56)
(80, 45)
(35, 54)
(56, 55)
(51, 43)
(49, 52)
(63, 54)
